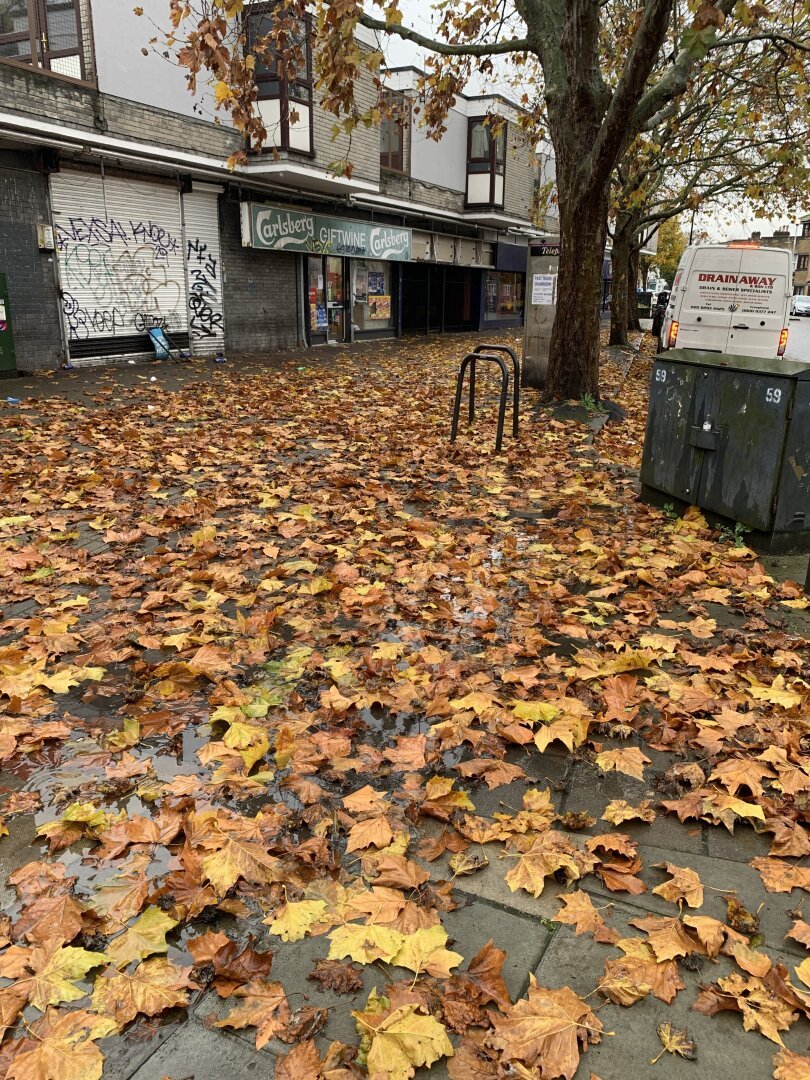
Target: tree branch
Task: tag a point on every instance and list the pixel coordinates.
(783, 38)
(513, 45)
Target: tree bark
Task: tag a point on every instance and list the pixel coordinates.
(633, 318)
(620, 288)
(573, 368)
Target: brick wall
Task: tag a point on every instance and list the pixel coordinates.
(260, 291)
(30, 272)
(39, 95)
(521, 171)
(362, 149)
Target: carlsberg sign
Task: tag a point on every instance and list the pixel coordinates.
(275, 229)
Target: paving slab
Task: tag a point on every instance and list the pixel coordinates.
(196, 1053)
(725, 1051)
(523, 939)
(591, 790)
(718, 876)
(743, 845)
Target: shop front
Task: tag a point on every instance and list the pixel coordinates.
(351, 275)
(505, 287)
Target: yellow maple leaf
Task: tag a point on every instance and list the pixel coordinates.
(365, 944)
(402, 1041)
(424, 950)
(296, 919)
(63, 1047)
(154, 986)
(146, 936)
(629, 761)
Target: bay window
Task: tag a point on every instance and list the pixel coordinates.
(285, 91)
(486, 163)
(43, 33)
(392, 133)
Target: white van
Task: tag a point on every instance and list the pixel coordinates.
(730, 298)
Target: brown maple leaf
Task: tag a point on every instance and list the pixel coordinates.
(342, 978)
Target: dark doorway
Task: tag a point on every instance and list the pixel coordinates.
(438, 298)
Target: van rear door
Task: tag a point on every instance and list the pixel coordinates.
(761, 301)
(710, 291)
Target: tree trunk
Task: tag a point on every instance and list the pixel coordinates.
(573, 367)
(620, 289)
(633, 317)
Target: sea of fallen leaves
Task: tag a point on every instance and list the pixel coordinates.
(263, 641)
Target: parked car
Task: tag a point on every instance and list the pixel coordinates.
(800, 305)
(730, 298)
(659, 310)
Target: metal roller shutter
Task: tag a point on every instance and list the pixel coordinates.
(204, 269)
(121, 261)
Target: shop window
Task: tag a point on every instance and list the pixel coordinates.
(802, 261)
(393, 131)
(284, 91)
(486, 163)
(44, 33)
(504, 293)
(372, 295)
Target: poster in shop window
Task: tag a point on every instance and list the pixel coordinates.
(379, 307)
(376, 283)
(361, 285)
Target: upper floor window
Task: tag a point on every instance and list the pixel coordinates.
(806, 228)
(486, 163)
(45, 33)
(285, 91)
(802, 261)
(393, 131)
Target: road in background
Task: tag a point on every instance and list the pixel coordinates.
(798, 346)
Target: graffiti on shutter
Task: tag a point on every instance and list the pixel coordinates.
(204, 297)
(126, 288)
(204, 269)
(121, 270)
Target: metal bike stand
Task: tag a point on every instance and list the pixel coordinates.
(516, 376)
(469, 361)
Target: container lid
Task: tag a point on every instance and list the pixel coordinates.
(758, 365)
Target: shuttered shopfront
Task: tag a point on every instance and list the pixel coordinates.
(120, 251)
(204, 269)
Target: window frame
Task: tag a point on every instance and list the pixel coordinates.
(805, 228)
(285, 95)
(802, 261)
(492, 161)
(40, 54)
(399, 163)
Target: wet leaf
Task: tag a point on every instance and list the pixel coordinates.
(675, 1041)
(154, 986)
(402, 1041)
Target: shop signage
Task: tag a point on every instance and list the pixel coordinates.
(273, 228)
(551, 250)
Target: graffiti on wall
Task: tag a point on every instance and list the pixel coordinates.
(118, 277)
(204, 300)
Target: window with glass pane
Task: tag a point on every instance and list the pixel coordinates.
(486, 164)
(504, 295)
(392, 133)
(46, 33)
(285, 91)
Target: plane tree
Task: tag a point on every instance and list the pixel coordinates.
(596, 73)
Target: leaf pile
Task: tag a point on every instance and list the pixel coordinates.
(267, 643)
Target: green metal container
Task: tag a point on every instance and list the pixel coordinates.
(731, 434)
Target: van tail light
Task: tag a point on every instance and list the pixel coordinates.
(673, 335)
(782, 342)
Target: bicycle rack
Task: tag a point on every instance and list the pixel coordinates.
(469, 361)
(516, 375)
